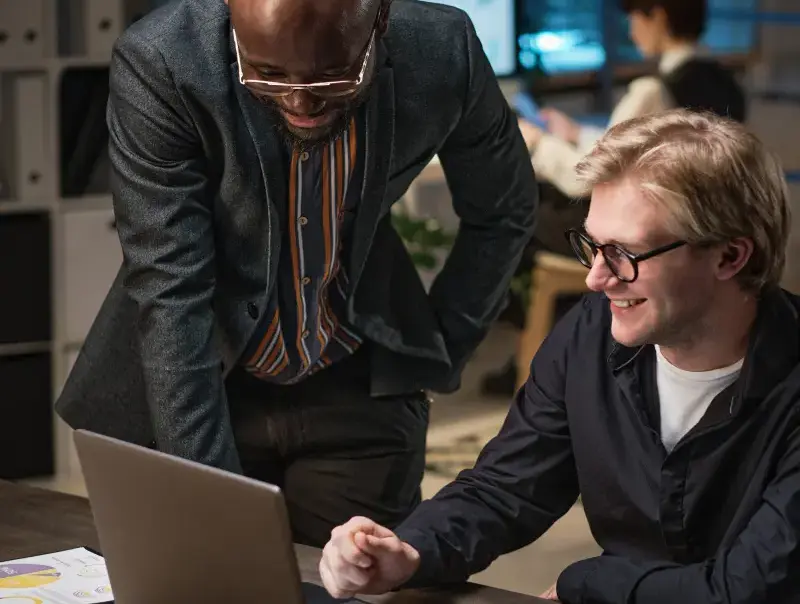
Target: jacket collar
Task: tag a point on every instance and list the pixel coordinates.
(774, 347)
(676, 57)
(772, 353)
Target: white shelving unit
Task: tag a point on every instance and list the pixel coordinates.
(42, 44)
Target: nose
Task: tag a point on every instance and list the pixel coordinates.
(302, 103)
(600, 275)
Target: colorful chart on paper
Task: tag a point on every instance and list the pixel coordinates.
(26, 575)
(66, 577)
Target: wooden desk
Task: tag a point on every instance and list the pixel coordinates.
(35, 521)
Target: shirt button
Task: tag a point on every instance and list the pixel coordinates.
(303, 221)
(306, 280)
(252, 310)
(304, 156)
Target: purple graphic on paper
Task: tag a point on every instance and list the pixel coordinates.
(12, 570)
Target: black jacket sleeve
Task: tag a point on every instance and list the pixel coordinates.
(164, 217)
(495, 196)
(523, 481)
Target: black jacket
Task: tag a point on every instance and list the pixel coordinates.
(198, 179)
(715, 521)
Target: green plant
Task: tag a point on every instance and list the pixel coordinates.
(424, 239)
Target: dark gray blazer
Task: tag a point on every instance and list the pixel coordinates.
(196, 183)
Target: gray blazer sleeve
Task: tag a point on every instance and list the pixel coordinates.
(164, 217)
(494, 192)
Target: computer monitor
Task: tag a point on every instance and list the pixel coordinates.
(560, 36)
(556, 37)
(494, 22)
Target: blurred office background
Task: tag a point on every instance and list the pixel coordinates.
(59, 251)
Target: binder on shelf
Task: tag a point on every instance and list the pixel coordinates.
(5, 189)
(91, 256)
(104, 21)
(25, 311)
(5, 142)
(83, 131)
(23, 35)
(96, 24)
(32, 175)
(6, 138)
(27, 447)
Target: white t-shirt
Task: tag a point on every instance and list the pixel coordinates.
(686, 395)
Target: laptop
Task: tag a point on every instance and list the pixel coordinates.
(172, 530)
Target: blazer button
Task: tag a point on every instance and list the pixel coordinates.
(252, 310)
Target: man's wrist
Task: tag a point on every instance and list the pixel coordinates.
(415, 542)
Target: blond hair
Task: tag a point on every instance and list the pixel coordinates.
(716, 179)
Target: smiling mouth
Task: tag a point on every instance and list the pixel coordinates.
(307, 122)
(627, 303)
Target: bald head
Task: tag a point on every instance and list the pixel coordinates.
(298, 15)
(303, 35)
(309, 42)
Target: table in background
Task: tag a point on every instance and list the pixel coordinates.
(36, 521)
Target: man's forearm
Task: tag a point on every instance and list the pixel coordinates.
(190, 418)
(617, 580)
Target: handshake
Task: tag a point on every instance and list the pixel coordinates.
(363, 557)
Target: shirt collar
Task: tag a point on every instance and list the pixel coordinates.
(675, 57)
(773, 350)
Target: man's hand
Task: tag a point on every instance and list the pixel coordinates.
(561, 125)
(363, 557)
(550, 594)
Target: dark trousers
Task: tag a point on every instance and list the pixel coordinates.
(335, 451)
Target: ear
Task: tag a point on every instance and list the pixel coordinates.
(733, 258)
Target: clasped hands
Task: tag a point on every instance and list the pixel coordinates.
(363, 557)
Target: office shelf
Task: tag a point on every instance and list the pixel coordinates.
(84, 203)
(25, 348)
(51, 64)
(9, 65)
(13, 206)
(56, 216)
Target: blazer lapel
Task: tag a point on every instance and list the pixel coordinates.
(263, 130)
(378, 157)
(379, 143)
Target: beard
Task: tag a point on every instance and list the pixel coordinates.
(323, 136)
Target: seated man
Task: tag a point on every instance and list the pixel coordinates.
(666, 29)
(669, 398)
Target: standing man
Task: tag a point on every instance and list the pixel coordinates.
(268, 319)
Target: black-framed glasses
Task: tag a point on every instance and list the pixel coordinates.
(324, 89)
(622, 263)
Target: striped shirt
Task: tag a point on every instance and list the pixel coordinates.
(304, 329)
